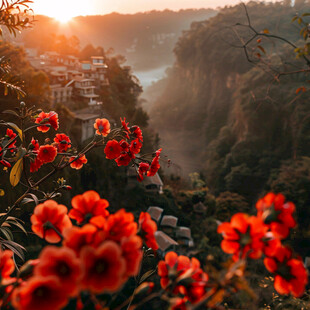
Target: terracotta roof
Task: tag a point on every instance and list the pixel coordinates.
(164, 241)
(155, 212)
(183, 232)
(169, 220)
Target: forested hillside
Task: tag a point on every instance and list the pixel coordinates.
(232, 120)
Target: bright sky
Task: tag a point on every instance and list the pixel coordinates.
(65, 9)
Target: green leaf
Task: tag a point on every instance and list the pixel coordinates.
(10, 112)
(14, 247)
(35, 198)
(147, 275)
(16, 172)
(17, 224)
(294, 18)
(306, 14)
(7, 233)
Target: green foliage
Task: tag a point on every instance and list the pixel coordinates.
(227, 204)
(14, 15)
(292, 179)
(196, 180)
(33, 85)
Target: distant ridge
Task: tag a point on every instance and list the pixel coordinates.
(145, 39)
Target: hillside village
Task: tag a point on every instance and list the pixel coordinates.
(72, 81)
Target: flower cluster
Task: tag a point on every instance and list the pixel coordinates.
(60, 153)
(97, 255)
(183, 276)
(127, 150)
(252, 236)
(48, 152)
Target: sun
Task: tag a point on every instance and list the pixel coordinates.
(62, 17)
(61, 10)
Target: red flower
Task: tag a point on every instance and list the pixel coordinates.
(35, 144)
(62, 263)
(35, 165)
(47, 215)
(78, 162)
(104, 267)
(76, 238)
(290, 273)
(180, 269)
(154, 164)
(112, 149)
(120, 225)
(125, 127)
(194, 291)
(271, 245)
(277, 214)
(63, 142)
(243, 236)
(87, 205)
(11, 135)
(124, 145)
(47, 154)
(148, 228)
(136, 131)
(40, 293)
(7, 265)
(142, 170)
(102, 126)
(123, 160)
(50, 118)
(135, 146)
(132, 253)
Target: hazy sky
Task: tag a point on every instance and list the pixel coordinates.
(91, 7)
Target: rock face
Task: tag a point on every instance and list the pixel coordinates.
(217, 113)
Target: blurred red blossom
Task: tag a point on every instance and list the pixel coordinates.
(243, 236)
(276, 213)
(88, 205)
(48, 217)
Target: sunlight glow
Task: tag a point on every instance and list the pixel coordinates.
(63, 10)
